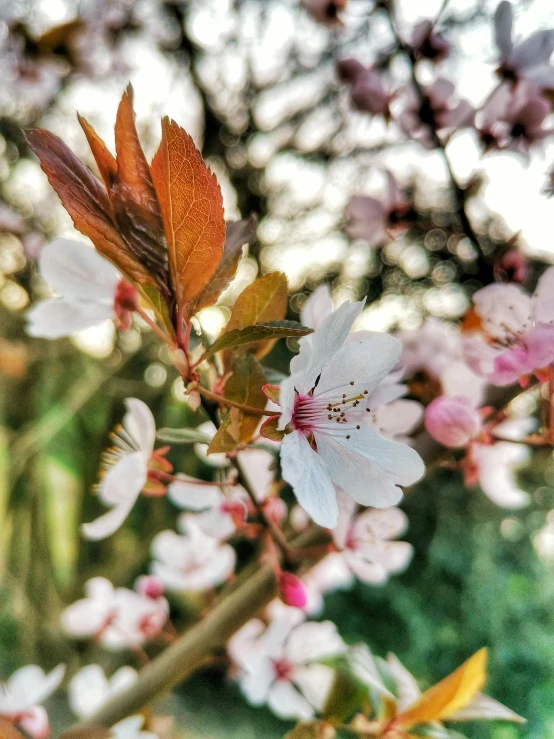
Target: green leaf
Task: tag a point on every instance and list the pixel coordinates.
(347, 695)
(243, 386)
(182, 436)
(259, 332)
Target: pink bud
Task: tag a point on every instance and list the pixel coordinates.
(276, 509)
(453, 422)
(35, 722)
(149, 586)
(514, 265)
(291, 590)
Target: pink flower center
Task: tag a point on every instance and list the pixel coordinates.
(283, 669)
(311, 412)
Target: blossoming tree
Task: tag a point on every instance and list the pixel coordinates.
(304, 471)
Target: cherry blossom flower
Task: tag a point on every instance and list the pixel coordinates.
(89, 688)
(439, 110)
(131, 467)
(91, 291)
(277, 665)
(22, 694)
(117, 618)
(479, 706)
(326, 12)
(376, 220)
(191, 561)
(331, 443)
(427, 43)
(367, 92)
(220, 513)
(437, 350)
(517, 336)
(514, 119)
(523, 60)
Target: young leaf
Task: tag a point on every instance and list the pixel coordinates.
(9, 731)
(260, 332)
(449, 695)
(262, 301)
(86, 201)
(271, 392)
(347, 695)
(237, 234)
(105, 161)
(182, 436)
(269, 429)
(243, 386)
(192, 212)
(133, 197)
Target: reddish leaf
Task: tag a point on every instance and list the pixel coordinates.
(237, 234)
(269, 429)
(192, 211)
(271, 392)
(85, 200)
(105, 161)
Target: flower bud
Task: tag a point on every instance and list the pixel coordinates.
(291, 590)
(149, 586)
(453, 422)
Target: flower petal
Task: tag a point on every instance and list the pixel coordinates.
(140, 423)
(317, 307)
(364, 362)
(32, 686)
(315, 683)
(312, 641)
(108, 523)
(326, 342)
(503, 19)
(124, 481)
(286, 702)
(184, 493)
(496, 472)
(88, 689)
(59, 317)
(306, 472)
(74, 269)
(368, 467)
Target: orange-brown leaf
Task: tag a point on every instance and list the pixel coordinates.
(86, 201)
(105, 161)
(133, 196)
(449, 695)
(237, 234)
(9, 731)
(192, 211)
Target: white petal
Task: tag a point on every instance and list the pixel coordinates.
(140, 423)
(217, 523)
(259, 467)
(398, 419)
(393, 556)
(315, 683)
(365, 362)
(543, 297)
(365, 668)
(109, 522)
(85, 618)
(309, 477)
(326, 342)
(406, 686)
(503, 28)
(483, 707)
(365, 570)
(459, 379)
(186, 493)
(88, 690)
(57, 317)
(534, 51)
(496, 473)
(99, 589)
(74, 269)
(312, 641)
(317, 307)
(384, 523)
(286, 702)
(347, 509)
(256, 681)
(32, 686)
(124, 480)
(505, 309)
(368, 467)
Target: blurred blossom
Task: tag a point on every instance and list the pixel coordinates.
(326, 12)
(377, 220)
(427, 43)
(191, 561)
(117, 618)
(367, 92)
(439, 110)
(90, 288)
(131, 728)
(517, 331)
(523, 60)
(279, 665)
(453, 422)
(22, 694)
(89, 689)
